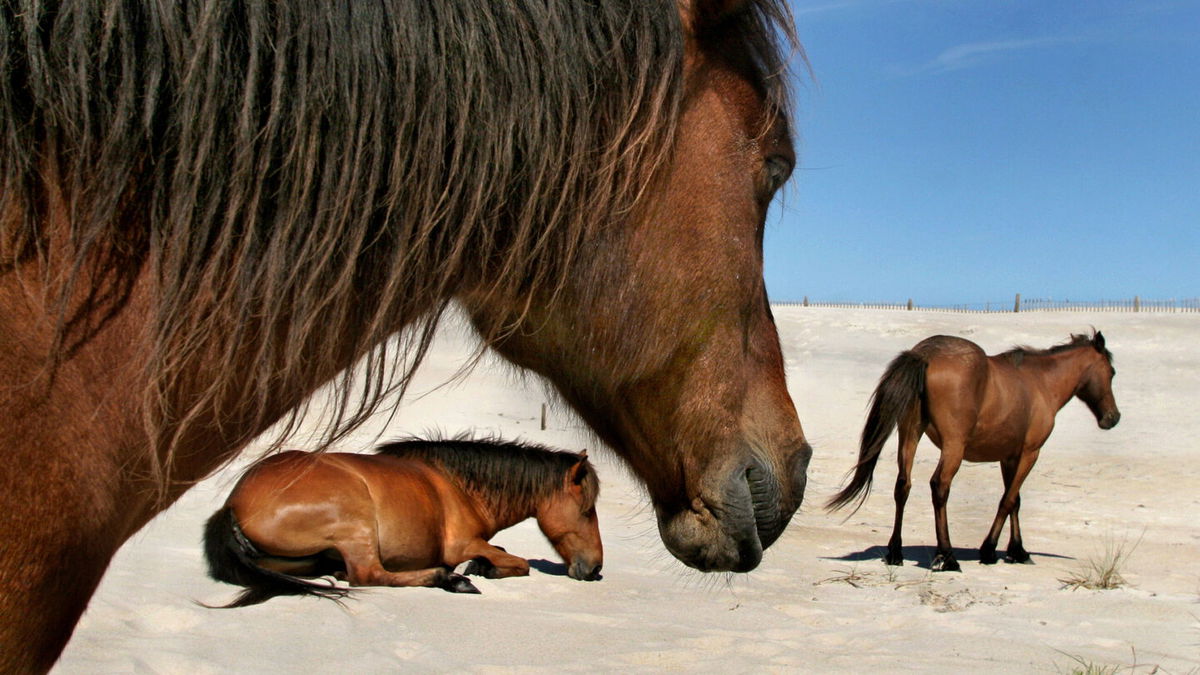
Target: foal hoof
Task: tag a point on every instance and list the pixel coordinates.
(480, 567)
(987, 556)
(944, 563)
(1018, 557)
(457, 583)
(894, 559)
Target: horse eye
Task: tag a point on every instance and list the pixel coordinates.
(777, 169)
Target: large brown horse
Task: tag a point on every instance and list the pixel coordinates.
(405, 516)
(982, 409)
(210, 209)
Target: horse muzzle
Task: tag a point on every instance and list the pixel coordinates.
(727, 530)
(1110, 419)
(584, 570)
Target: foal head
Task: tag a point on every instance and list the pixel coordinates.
(568, 519)
(1095, 387)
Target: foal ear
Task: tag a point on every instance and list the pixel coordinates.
(1098, 340)
(579, 471)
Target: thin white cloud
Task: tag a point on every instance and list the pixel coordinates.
(823, 7)
(808, 8)
(972, 54)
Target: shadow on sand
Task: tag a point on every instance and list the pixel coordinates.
(554, 569)
(922, 555)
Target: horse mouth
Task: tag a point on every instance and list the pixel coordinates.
(765, 501)
(1110, 420)
(584, 571)
(731, 533)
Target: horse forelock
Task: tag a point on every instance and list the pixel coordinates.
(299, 180)
(509, 476)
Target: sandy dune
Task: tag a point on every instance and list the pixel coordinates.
(821, 601)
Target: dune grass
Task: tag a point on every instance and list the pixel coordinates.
(1103, 570)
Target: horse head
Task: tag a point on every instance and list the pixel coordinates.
(662, 337)
(568, 519)
(1095, 387)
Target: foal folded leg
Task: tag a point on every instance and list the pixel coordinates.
(364, 568)
(493, 562)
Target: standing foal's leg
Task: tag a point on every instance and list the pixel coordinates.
(952, 455)
(1014, 470)
(987, 550)
(910, 434)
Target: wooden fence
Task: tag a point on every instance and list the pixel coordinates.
(1134, 304)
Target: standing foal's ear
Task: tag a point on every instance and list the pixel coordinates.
(1098, 340)
(698, 15)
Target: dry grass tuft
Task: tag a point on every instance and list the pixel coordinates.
(1102, 571)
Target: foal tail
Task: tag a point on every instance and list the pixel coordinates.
(231, 557)
(898, 392)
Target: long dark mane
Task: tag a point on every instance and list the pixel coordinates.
(510, 475)
(297, 180)
(1017, 355)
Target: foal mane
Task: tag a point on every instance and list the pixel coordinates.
(297, 180)
(1017, 355)
(506, 474)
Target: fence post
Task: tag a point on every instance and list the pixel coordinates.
(543, 417)
(910, 304)
(1137, 303)
(806, 301)
(1017, 303)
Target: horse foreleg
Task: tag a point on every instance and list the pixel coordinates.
(910, 435)
(952, 455)
(493, 562)
(987, 550)
(1014, 471)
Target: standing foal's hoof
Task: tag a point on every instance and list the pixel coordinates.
(895, 559)
(987, 556)
(945, 562)
(457, 583)
(1018, 556)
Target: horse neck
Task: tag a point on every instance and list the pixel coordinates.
(1062, 373)
(503, 513)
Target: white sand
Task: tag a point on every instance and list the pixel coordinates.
(820, 601)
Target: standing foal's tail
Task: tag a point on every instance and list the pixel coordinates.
(899, 390)
(231, 556)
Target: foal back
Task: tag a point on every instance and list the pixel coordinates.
(295, 504)
(973, 403)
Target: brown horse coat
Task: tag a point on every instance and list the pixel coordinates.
(209, 210)
(982, 409)
(399, 518)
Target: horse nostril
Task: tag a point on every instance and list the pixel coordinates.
(765, 500)
(594, 574)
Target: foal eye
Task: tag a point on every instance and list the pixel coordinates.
(777, 169)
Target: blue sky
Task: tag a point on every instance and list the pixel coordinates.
(964, 151)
